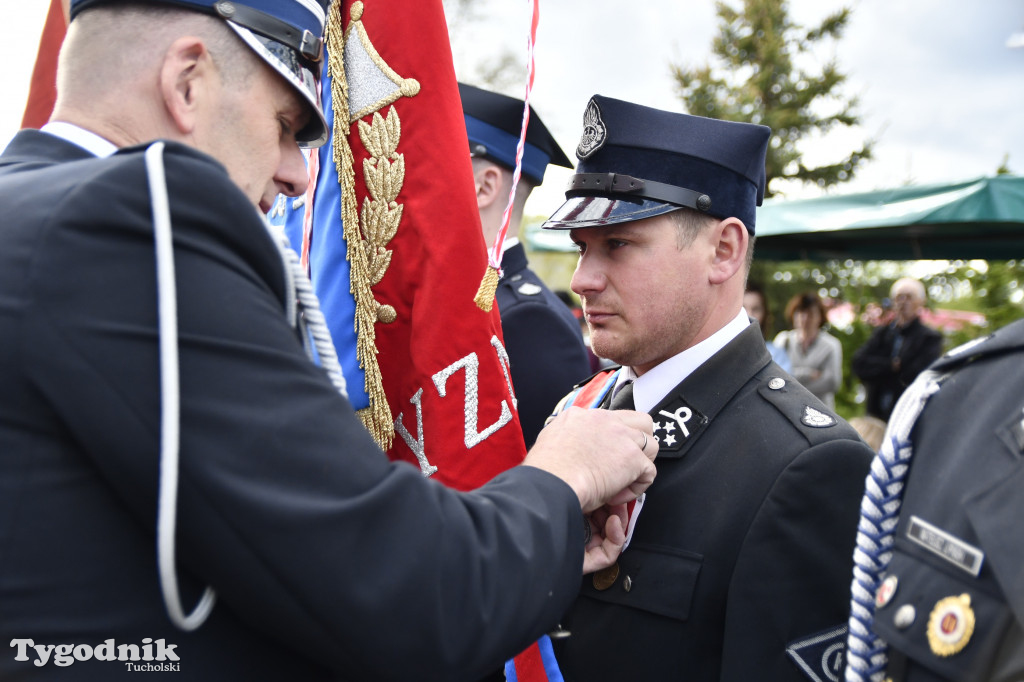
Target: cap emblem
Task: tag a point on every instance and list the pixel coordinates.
(594, 131)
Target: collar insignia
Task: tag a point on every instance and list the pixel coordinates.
(594, 131)
(816, 418)
(676, 425)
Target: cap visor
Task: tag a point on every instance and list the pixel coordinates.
(284, 60)
(580, 212)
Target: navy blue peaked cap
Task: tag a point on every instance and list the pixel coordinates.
(286, 34)
(637, 162)
(493, 124)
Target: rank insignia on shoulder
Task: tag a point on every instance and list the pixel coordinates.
(816, 418)
(820, 656)
(529, 289)
(676, 425)
(951, 625)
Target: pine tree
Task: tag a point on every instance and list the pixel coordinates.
(760, 80)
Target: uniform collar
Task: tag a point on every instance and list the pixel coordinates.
(656, 383)
(87, 140)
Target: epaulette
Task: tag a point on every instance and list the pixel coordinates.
(523, 289)
(815, 421)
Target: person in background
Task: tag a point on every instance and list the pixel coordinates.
(756, 304)
(896, 352)
(176, 475)
(816, 355)
(738, 564)
(546, 351)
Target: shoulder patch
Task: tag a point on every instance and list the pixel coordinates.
(529, 289)
(817, 418)
(820, 656)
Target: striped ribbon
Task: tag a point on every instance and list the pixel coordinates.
(494, 257)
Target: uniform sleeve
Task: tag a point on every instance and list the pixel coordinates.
(286, 506)
(793, 572)
(547, 359)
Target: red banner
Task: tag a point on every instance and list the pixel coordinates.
(419, 255)
(43, 88)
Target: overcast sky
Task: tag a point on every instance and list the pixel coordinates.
(940, 89)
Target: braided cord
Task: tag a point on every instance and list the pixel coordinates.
(304, 312)
(866, 653)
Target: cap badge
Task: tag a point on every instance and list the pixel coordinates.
(950, 625)
(816, 418)
(594, 131)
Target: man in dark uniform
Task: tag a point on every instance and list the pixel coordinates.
(155, 394)
(542, 337)
(738, 564)
(947, 594)
(897, 352)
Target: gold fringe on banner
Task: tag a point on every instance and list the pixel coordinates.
(377, 417)
(484, 298)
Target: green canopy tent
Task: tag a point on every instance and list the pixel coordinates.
(981, 218)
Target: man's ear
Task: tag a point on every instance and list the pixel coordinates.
(489, 185)
(184, 78)
(731, 240)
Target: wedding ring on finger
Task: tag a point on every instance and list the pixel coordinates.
(644, 446)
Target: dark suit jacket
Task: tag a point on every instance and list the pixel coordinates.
(328, 560)
(919, 346)
(744, 545)
(543, 340)
(966, 479)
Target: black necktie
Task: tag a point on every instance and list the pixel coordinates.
(623, 399)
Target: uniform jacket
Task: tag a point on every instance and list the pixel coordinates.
(329, 561)
(919, 346)
(543, 340)
(966, 481)
(744, 544)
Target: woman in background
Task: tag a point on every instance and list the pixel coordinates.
(817, 356)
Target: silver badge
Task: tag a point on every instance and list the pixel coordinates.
(816, 418)
(594, 131)
(776, 383)
(530, 289)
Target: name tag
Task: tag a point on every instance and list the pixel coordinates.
(954, 550)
